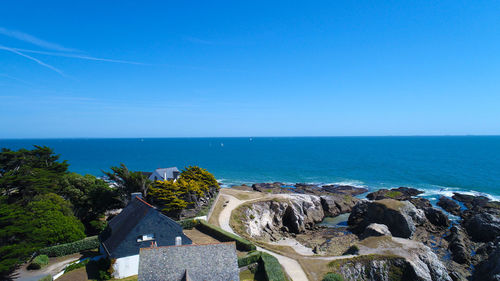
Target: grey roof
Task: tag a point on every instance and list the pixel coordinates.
(208, 262)
(136, 219)
(161, 172)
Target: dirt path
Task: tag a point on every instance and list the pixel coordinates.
(291, 266)
(55, 266)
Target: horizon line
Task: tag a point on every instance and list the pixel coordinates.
(229, 137)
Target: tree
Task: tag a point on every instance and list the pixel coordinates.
(201, 176)
(128, 182)
(91, 198)
(46, 221)
(27, 173)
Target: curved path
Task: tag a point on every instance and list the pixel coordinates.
(291, 266)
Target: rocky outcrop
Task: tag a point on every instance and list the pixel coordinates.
(436, 217)
(457, 245)
(449, 205)
(288, 213)
(400, 193)
(483, 227)
(401, 217)
(344, 189)
(376, 229)
(334, 205)
(489, 269)
(374, 267)
(424, 263)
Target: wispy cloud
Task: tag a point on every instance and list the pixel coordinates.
(33, 59)
(15, 79)
(34, 40)
(77, 56)
(198, 40)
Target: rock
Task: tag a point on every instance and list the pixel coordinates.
(424, 264)
(344, 189)
(334, 205)
(470, 201)
(436, 217)
(483, 227)
(489, 270)
(291, 212)
(374, 267)
(400, 193)
(420, 203)
(449, 205)
(457, 246)
(264, 187)
(401, 217)
(376, 229)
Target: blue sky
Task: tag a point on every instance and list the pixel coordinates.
(259, 68)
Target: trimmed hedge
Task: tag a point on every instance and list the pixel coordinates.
(249, 259)
(76, 265)
(71, 248)
(39, 262)
(46, 278)
(241, 243)
(271, 268)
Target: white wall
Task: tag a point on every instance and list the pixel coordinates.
(125, 267)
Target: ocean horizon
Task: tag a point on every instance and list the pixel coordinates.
(439, 165)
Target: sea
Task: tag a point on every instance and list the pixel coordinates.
(439, 165)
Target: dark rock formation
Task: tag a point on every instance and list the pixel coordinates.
(436, 217)
(375, 267)
(483, 227)
(420, 203)
(470, 201)
(449, 205)
(401, 217)
(334, 205)
(400, 193)
(489, 269)
(457, 245)
(376, 229)
(344, 189)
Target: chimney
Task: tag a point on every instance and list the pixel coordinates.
(178, 241)
(135, 194)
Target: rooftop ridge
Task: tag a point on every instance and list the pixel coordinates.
(186, 245)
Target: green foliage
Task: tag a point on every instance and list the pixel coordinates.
(174, 196)
(252, 257)
(128, 182)
(393, 194)
(188, 223)
(46, 278)
(241, 243)
(71, 248)
(333, 277)
(76, 265)
(39, 262)
(91, 198)
(27, 173)
(353, 250)
(271, 268)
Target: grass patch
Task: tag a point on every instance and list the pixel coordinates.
(393, 194)
(333, 277)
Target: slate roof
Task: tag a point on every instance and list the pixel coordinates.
(136, 219)
(207, 262)
(161, 172)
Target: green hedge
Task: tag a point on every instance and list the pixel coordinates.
(76, 265)
(46, 278)
(241, 243)
(188, 223)
(39, 262)
(71, 248)
(249, 259)
(271, 268)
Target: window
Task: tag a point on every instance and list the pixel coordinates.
(146, 237)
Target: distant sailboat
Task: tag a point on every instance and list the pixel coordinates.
(222, 144)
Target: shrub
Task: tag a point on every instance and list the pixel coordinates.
(46, 278)
(71, 248)
(333, 277)
(241, 243)
(188, 223)
(271, 268)
(76, 265)
(353, 250)
(249, 259)
(39, 262)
